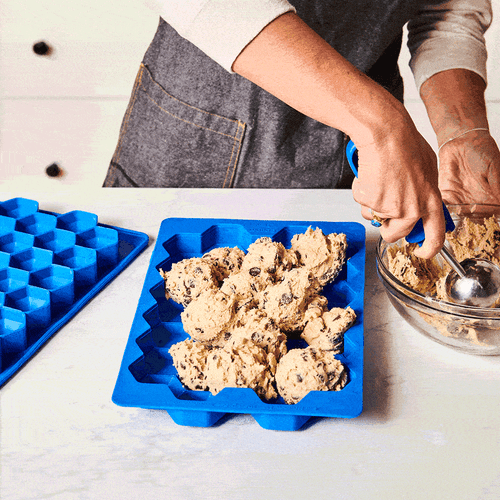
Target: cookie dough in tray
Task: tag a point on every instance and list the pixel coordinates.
(147, 377)
(51, 265)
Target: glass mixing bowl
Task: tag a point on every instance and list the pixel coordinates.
(469, 329)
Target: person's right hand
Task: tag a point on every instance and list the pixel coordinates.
(397, 168)
(398, 180)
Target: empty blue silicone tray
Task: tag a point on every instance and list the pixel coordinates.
(51, 265)
(147, 377)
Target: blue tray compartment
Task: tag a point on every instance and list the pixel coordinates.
(51, 265)
(147, 378)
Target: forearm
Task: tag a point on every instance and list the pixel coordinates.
(455, 102)
(292, 62)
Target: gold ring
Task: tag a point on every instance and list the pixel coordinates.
(376, 220)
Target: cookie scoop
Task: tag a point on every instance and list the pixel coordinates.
(472, 282)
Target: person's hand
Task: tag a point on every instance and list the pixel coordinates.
(398, 180)
(469, 170)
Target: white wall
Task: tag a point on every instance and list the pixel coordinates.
(67, 107)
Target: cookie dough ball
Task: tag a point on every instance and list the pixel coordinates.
(225, 260)
(267, 258)
(317, 306)
(264, 255)
(247, 366)
(287, 301)
(208, 318)
(188, 278)
(324, 255)
(242, 287)
(303, 370)
(260, 329)
(258, 282)
(327, 331)
(190, 360)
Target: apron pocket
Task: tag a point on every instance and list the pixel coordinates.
(165, 142)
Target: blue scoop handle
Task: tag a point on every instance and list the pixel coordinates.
(417, 234)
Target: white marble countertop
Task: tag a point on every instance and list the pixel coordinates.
(430, 428)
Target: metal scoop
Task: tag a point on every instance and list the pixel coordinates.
(473, 282)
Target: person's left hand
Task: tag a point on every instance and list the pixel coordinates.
(469, 170)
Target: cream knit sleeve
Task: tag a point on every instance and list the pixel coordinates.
(220, 28)
(448, 36)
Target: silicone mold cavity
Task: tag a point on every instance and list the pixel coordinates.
(147, 377)
(59, 281)
(7, 224)
(12, 334)
(46, 277)
(37, 223)
(56, 240)
(35, 303)
(18, 207)
(104, 241)
(15, 242)
(83, 262)
(4, 260)
(12, 279)
(77, 221)
(32, 259)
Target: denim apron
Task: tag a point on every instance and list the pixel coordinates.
(190, 123)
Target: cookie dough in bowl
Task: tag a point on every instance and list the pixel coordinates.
(416, 286)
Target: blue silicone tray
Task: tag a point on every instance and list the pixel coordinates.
(51, 265)
(147, 377)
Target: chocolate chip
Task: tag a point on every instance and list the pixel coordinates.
(254, 271)
(256, 337)
(286, 299)
(198, 270)
(299, 378)
(337, 343)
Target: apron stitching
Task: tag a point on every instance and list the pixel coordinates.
(120, 168)
(185, 103)
(238, 139)
(116, 157)
(230, 161)
(187, 121)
